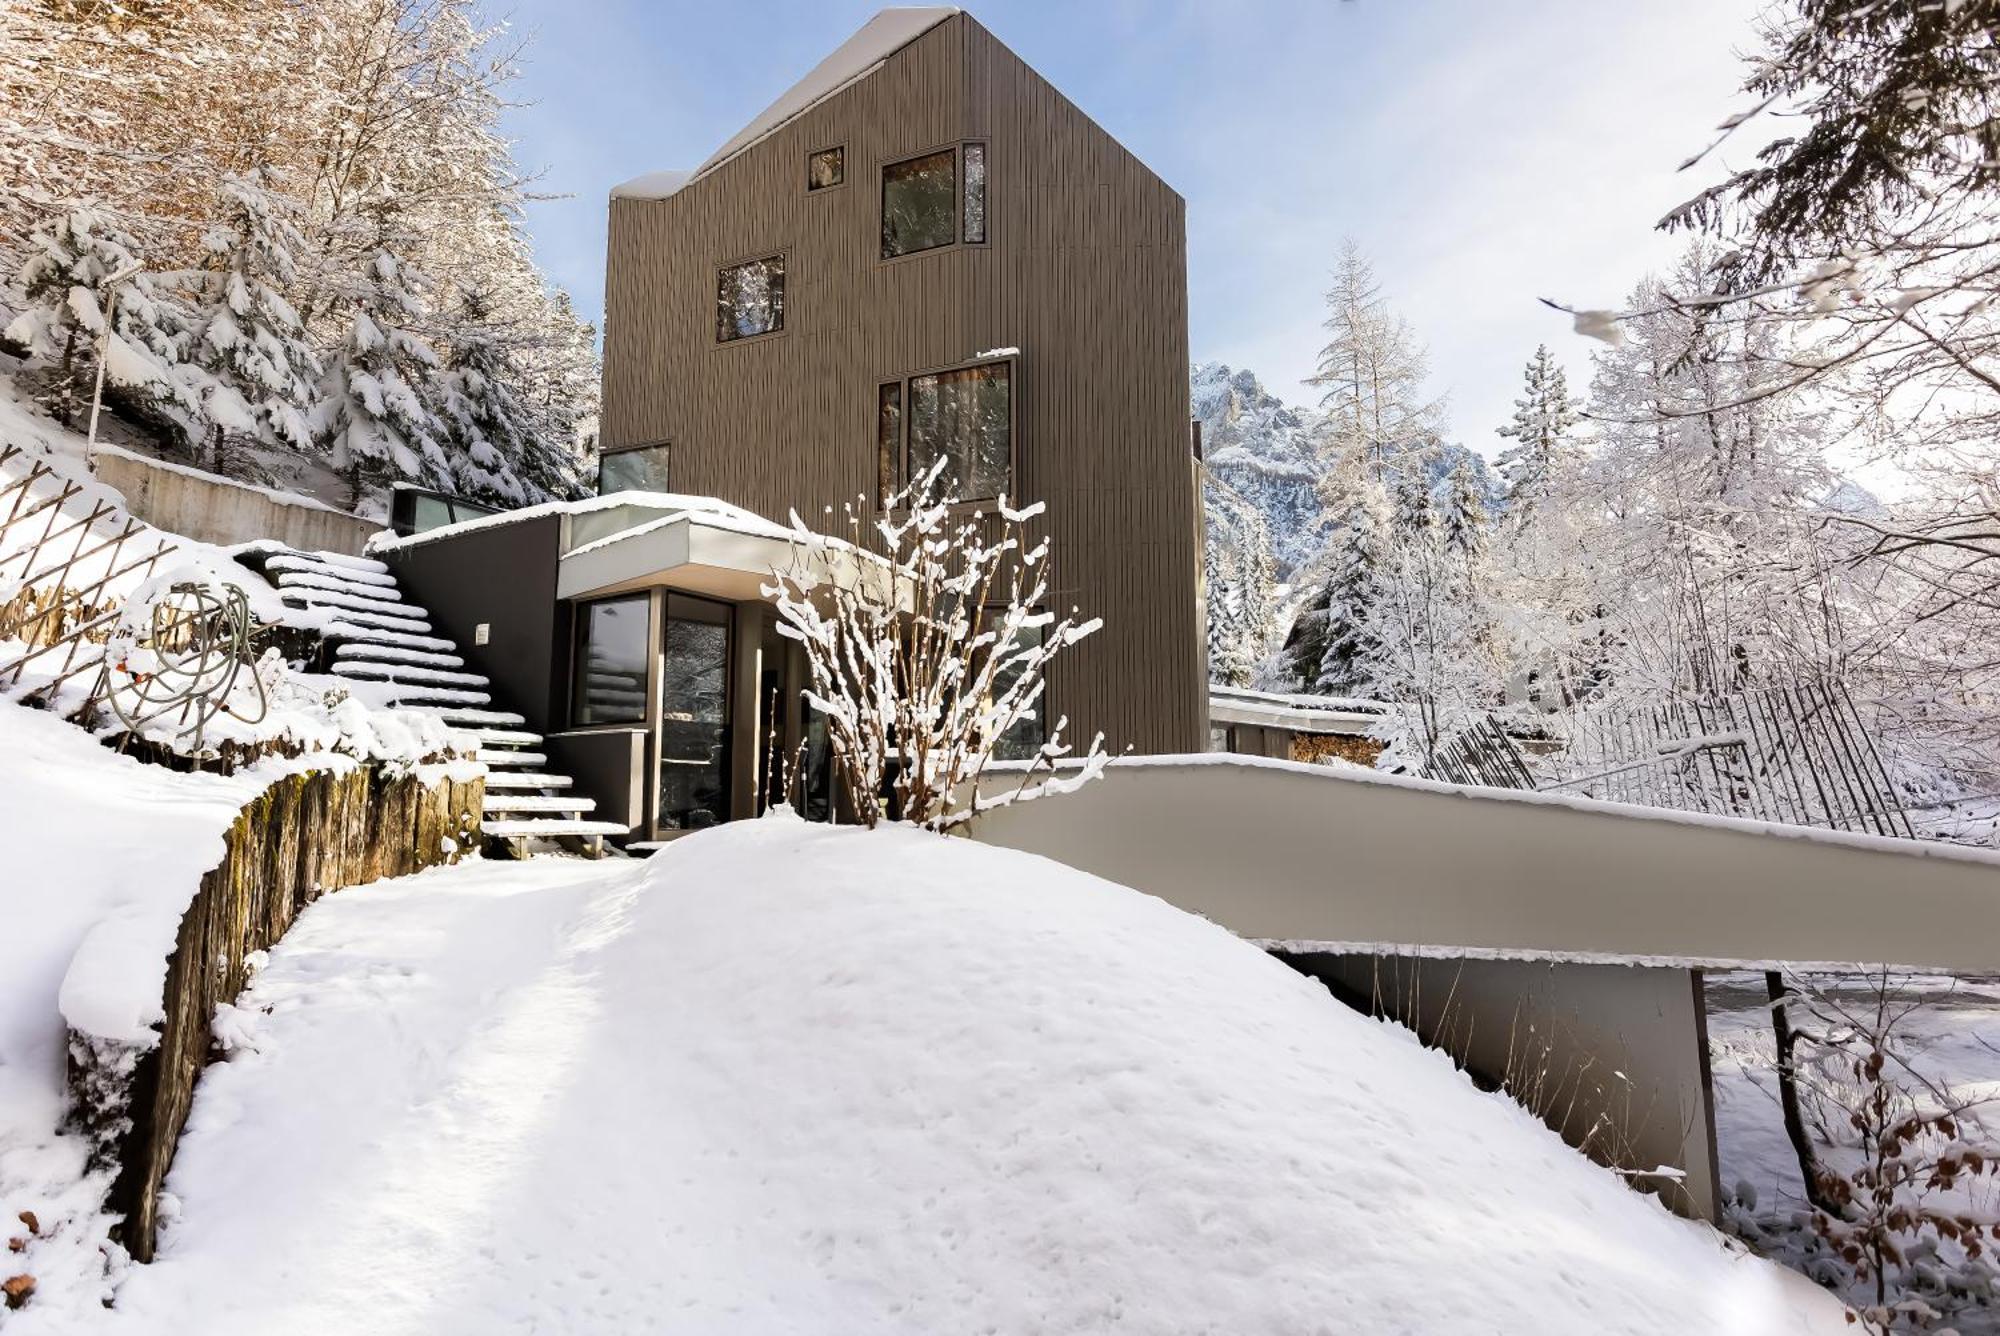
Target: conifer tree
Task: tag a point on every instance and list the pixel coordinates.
(490, 433)
(1371, 372)
(374, 418)
(1462, 518)
(77, 263)
(245, 332)
(1545, 419)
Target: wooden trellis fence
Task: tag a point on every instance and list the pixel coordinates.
(65, 561)
(1797, 755)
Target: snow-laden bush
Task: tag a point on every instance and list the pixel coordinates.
(927, 658)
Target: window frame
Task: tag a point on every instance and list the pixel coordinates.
(665, 446)
(579, 638)
(901, 457)
(782, 254)
(957, 149)
(841, 184)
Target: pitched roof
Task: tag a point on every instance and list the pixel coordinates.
(859, 56)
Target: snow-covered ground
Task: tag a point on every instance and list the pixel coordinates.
(1952, 1038)
(99, 856)
(791, 1078)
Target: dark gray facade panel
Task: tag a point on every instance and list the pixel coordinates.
(503, 577)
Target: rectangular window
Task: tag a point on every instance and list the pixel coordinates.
(975, 193)
(640, 470)
(694, 714)
(919, 204)
(609, 680)
(750, 299)
(888, 435)
(965, 418)
(826, 168)
(1023, 739)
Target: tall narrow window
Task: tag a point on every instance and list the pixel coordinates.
(750, 299)
(608, 685)
(919, 204)
(965, 418)
(888, 435)
(975, 192)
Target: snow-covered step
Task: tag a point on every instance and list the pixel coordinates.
(356, 632)
(528, 830)
(345, 562)
(526, 779)
(523, 802)
(421, 695)
(507, 737)
(408, 672)
(393, 654)
(524, 759)
(366, 611)
(474, 719)
(311, 565)
(304, 584)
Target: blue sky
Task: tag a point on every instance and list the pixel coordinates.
(1485, 154)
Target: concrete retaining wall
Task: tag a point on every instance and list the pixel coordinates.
(216, 510)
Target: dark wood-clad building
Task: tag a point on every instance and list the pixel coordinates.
(925, 250)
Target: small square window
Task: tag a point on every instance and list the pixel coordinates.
(750, 299)
(826, 168)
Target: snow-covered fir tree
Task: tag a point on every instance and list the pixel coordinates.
(1543, 432)
(374, 418)
(1462, 514)
(244, 330)
(490, 432)
(1236, 564)
(80, 266)
(1331, 649)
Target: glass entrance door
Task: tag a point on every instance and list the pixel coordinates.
(694, 714)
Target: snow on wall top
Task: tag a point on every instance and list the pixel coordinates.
(651, 185)
(883, 36)
(706, 508)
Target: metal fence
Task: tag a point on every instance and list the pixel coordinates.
(1797, 755)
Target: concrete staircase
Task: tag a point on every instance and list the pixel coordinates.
(389, 654)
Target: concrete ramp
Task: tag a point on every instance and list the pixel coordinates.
(1335, 859)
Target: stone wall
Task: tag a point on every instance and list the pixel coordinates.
(306, 835)
(202, 506)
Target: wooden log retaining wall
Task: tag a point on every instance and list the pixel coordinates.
(306, 835)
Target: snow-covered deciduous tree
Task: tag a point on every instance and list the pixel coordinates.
(1545, 420)
(83, 269)
(1236, 566)
(374, 417)
(1371, 373)
(244, 330)
(929, 655)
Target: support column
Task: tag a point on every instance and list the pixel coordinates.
(746, 722)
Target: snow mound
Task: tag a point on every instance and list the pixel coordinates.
(787, 1078)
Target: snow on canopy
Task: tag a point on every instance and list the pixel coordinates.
(788, 1078)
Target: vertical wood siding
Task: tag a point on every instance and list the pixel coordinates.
(1085, 271)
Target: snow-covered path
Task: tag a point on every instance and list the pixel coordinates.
(792, 1079)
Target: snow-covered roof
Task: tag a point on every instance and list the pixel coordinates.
(859, 56)
(651, 185)
(708, 508)
(1305, 714)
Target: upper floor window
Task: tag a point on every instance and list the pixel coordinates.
(934, 200)
(826, 168)
(641, 469)
(750, 299)
(964, 417)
